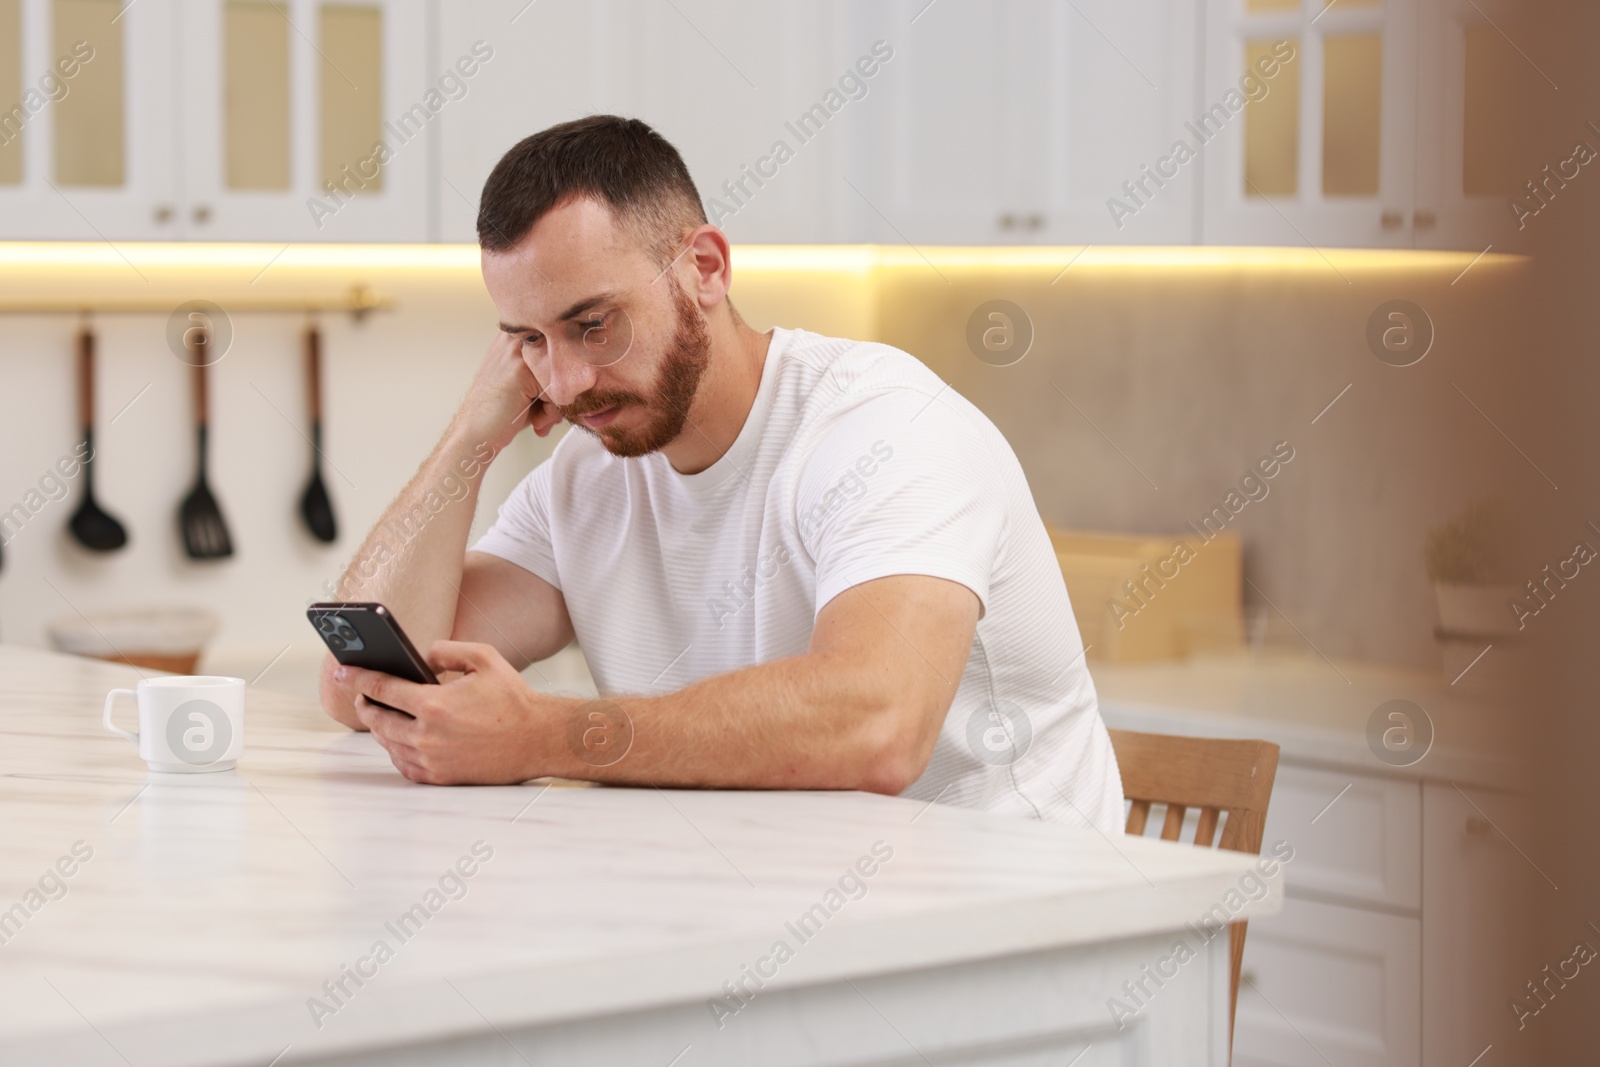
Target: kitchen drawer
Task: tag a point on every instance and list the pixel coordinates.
(1326, 984)
(1365, 849)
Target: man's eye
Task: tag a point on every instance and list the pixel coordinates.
(593, 324)
(531, 340)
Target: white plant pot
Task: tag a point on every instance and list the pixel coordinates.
(1476, 610)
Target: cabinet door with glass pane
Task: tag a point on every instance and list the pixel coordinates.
(307, 120)
(1307, 122)
(86, 129)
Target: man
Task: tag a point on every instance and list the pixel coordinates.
(791, 561)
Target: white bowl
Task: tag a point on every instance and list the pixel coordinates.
(162, 631)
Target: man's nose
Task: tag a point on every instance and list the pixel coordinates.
(567, 376)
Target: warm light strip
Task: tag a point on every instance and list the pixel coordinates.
(177, 255)
(1185, 257)
(855, 259)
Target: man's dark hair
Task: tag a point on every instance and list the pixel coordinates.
(622, 163)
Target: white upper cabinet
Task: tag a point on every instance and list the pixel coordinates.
(537, 64)
(758, 98)
(291, 120)
(1389, 127)
(86, 133)
(1021, 122)
(733, 85)
(1473, 84)
(1367, 123)
(1309, 112)
(307, 121)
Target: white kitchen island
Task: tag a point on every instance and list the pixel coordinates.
(236, 918)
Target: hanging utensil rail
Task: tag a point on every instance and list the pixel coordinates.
(358, 302)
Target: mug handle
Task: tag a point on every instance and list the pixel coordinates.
(111, 699)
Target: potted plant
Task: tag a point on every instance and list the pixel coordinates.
(1466, 562)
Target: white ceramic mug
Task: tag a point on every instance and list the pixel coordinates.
(187, 723)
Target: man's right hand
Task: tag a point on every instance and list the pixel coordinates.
(505, 397)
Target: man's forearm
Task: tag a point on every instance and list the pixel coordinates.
(809, 722)
(411, 561)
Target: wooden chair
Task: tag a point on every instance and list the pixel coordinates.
(1216, 776)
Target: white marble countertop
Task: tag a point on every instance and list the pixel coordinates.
(214, 905)
(1317, 711)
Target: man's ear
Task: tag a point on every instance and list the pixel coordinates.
(706, 266)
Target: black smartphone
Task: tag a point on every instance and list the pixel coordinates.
(369, 636)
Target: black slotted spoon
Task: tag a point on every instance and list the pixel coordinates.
(205, 533)
(315, 507)
(90, 525)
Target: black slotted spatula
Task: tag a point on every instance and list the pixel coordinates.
(315, 507)
(205, 533)
(93, 528)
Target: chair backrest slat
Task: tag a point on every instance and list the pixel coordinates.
(1172, 829)
(1137, 814)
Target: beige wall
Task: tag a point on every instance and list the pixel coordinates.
(1195, 373)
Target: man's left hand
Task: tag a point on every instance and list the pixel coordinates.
(484, 726)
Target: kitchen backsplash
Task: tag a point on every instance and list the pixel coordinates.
(1145, 401)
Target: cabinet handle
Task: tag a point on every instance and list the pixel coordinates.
(1424, 220)
(1035, 222)
(1008, 221)
(202, 213)
(1391, 220)
(163, 213)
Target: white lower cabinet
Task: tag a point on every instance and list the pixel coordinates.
(1357, 838)
(1406, 921)
(1325, 984)
(1486, 936)
(1337, 977)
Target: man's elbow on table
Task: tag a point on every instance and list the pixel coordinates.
(896, 746)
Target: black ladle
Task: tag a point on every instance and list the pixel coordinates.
(315, 507)
(93, 528)
(205, 533)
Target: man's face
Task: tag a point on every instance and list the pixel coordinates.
(616, 344)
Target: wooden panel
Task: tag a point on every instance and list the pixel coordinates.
(1150, 598)
(1201, 772)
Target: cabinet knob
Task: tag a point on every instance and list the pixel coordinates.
(1391, 220)
(163, 213)
(1424, 220)
(1477, 826)
(202, 213)
(1036, 221)
(1008, 221)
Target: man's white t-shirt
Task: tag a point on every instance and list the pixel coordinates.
(856, 462)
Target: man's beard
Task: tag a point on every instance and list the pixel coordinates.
(683, 364)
